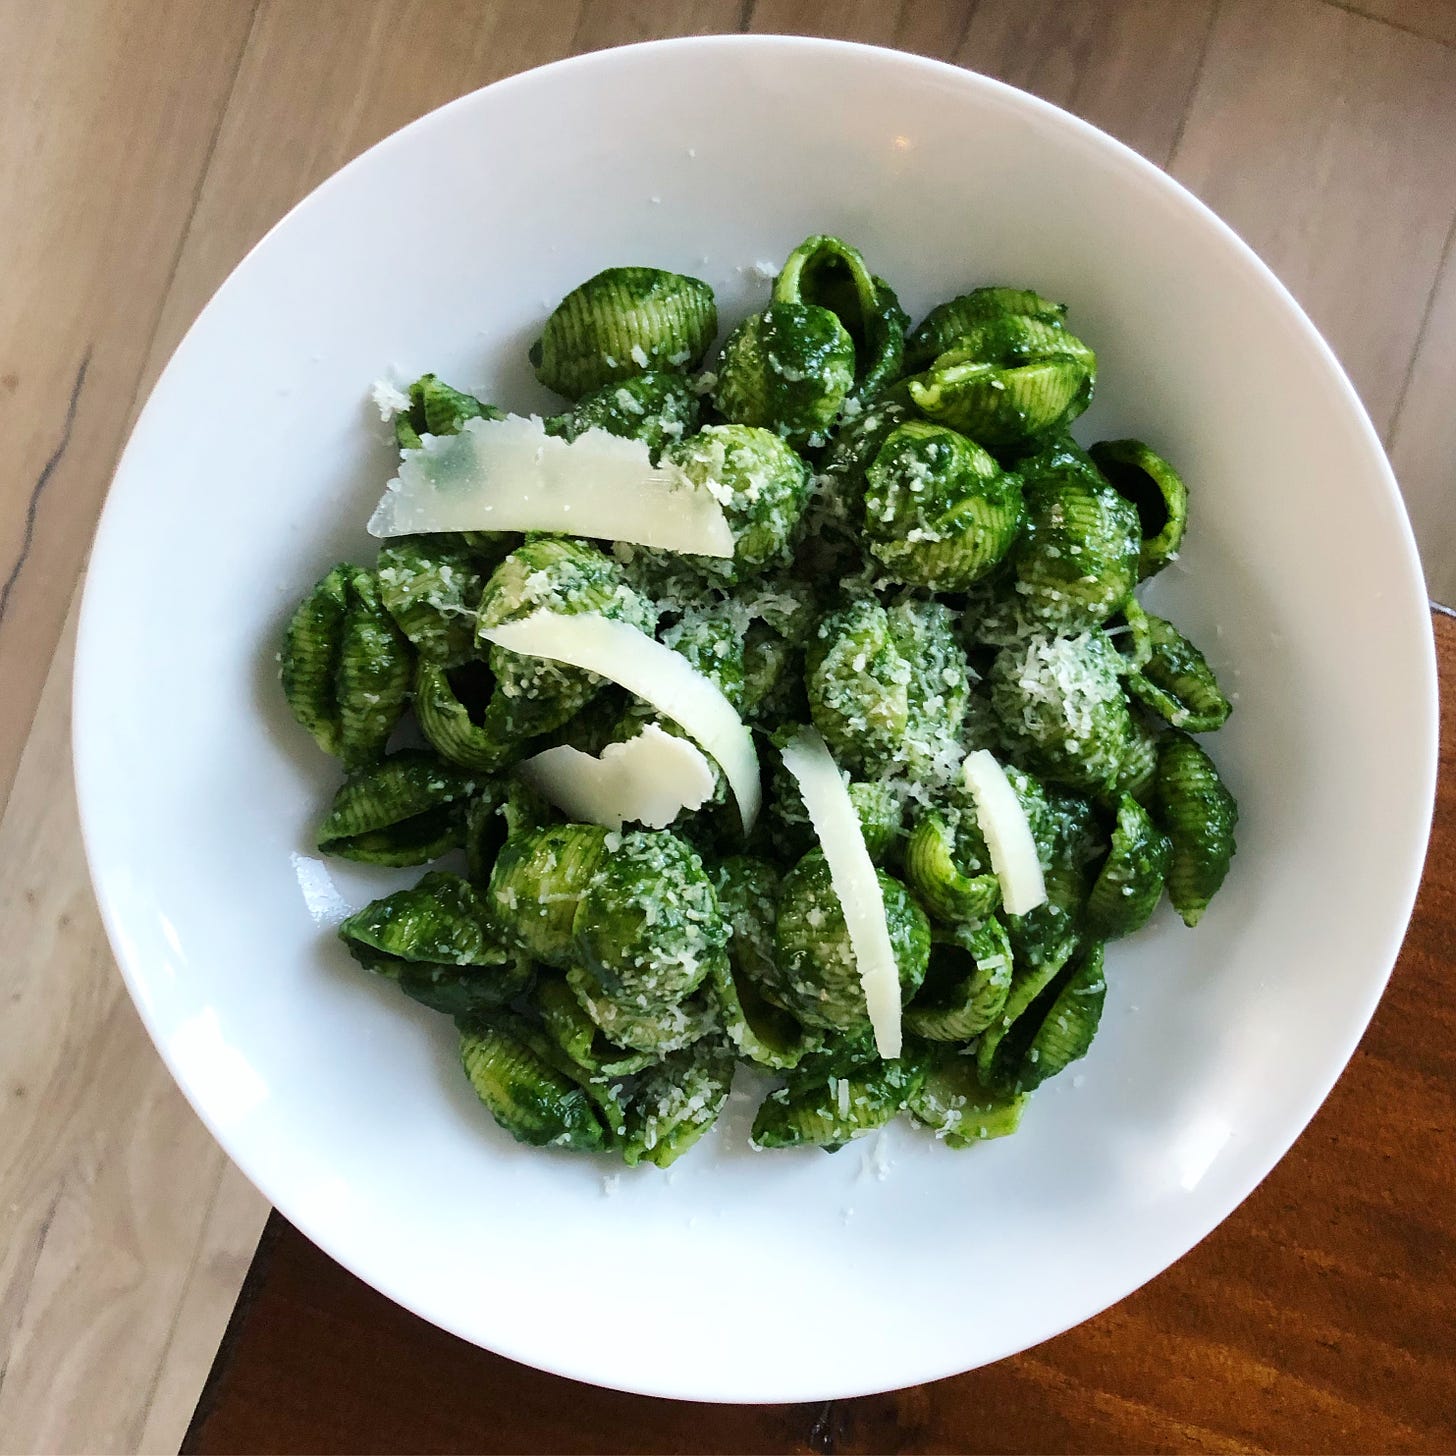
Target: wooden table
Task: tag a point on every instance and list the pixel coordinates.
(1320, 1317)
(145, 145)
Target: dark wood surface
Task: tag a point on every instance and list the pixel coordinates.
(1320, 1317)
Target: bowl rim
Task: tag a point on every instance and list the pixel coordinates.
(1423, 741)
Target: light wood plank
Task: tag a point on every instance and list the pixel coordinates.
(928, 27)
(293, 122)
(127, 1233)
(1433, 18)
(1423, 438)
(234, 1222)
(1129, 67)
(102, 145)
(101, 1160)
(1325, 139)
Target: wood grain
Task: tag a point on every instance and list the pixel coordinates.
(103, 149)
(1433, 18)
(1128, 67)
(1304, 114)
(107, 1175)
(144, 146)
(1317, 1318)
(1423, 437)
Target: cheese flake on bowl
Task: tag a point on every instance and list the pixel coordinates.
(856, 884)
(646, 780)
(655, 673)
(1007, 832)
(510, 475)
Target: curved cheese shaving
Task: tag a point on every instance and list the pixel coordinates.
(856, 884)
(657, 674)
(510, 475)
(646, 780)
(1004, 825)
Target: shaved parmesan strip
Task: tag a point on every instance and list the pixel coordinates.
(1007, 832)
(836, 822)
(647, 780)
(664, 678)
(510, 475)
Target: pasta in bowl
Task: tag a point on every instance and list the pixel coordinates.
(864, 928)
(256, 464)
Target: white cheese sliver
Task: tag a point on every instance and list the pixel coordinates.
(1004, 825)
(857, 886)
(510, 475)
(646, 780)
(657, 674)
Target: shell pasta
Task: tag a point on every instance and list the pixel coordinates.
(925, 566)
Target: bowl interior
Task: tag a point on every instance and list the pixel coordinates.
(737, 1275)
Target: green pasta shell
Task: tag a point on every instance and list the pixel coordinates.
(1007, 380)
(962, 1108)
(966, 984)
(405, 434)
(1130, 631)
(1075, 564)
(449, 707)
(537, 883)
(435, 943)
(947, 323)
(1199, 815)
(655, 408)
(659, 1031)
(1065, 1032)
(831, 546)
(345, 667)
(713, 642)
(762, 486)
(762, 1032)
(676, 1102)
(310, 658)
(437, 408)
(1177, 683)
(578, 1037)
(558, 574)
(431, 586)
(485, 830)
(889, 689)
(773, 679)
(788, 370)
(1130, 883)
(621, 323)
(604, 1091)
(1137, 774)
(816, 976)
(1030, 981)
(939, 512)
(1156, 491)
(530, 1099)
(938, 882)
(1061, 705)
(648, 924)
(405, 810)
(374, 673)
(833, 1097)
(831, 274)
(859, 686)
(1048, 1022)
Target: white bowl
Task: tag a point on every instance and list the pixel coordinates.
(740, 1276)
